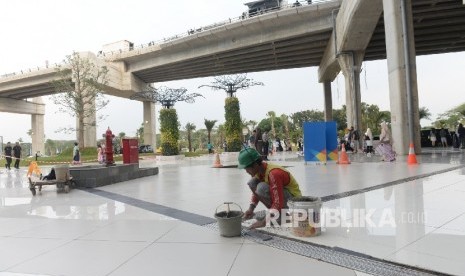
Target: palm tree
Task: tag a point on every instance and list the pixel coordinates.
(424, 113)
(252, 124)
(272, 116)
(209, 125)
(285, 120)
(189, 128)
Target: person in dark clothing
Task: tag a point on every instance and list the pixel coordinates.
(461, 133)
(50, 176)
(17, 154)
(8, 150)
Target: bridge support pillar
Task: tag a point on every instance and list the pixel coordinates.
(397, 64)
(350, 63)
(37, 128)
(328, 101)
(90, 126)
(150, 125)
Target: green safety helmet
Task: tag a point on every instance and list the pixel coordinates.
(247, 157)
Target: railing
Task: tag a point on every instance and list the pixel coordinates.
(29, 71)
(244, 16)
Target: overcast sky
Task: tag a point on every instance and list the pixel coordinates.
(34, 32)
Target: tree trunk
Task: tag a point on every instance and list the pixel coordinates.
(81, 132)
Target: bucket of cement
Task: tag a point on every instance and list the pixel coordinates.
(62, 172)
(305, 216)
(229, 222)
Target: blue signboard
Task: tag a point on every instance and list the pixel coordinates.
(315, 142)
(320, 142)
(331, 141)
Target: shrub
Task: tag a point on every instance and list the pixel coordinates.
(233, 124)
(169, 128)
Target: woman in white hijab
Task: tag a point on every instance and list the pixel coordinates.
(385, 144)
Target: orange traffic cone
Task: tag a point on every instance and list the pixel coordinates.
(343, 157)
(217, 163)
(412, 158)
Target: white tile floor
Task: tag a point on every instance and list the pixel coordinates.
(81, 233)
(428, 227)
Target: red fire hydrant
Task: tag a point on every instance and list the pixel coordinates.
(109, 147)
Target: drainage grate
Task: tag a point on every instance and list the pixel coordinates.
(333, 255)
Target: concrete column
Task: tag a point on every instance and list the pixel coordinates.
(350, 63)
(37, 127)
(150, 131)
(328, 101)
(396, 62)
(90, 126)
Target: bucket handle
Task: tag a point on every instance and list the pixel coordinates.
(228, 203)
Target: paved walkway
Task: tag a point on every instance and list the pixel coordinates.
(164, 224)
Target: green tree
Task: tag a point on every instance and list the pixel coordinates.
(424, 113)
(300, 117)
(221, 136)
(189, 128)
(169, 128)
(452, 117)
(140, 134)
(285, 120)
(79, 87)
(265, 125)
(209, 124)
(272, 116)
(339, 116)
(372, 117)
(251, 124)
(233, 124)
(50, 147)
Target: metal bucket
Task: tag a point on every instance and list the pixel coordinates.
(229, 222)
(305, 216)
(62, 172)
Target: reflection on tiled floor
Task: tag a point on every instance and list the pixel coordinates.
(84, 233)
(418, 223)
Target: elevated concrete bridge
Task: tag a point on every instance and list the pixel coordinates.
(334, 35)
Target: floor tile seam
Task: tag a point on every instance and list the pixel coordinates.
(159, 209)
(113, 240)
(387, 184)
(131, 257)
(456, 217)
(444, 187)
(40, 254)
(410, 243)
(235, 258)
(426, 235)
(198, 243)
(430, 255)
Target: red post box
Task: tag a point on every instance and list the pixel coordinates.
(130, 151)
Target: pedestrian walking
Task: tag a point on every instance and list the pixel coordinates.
(385, 144)
(8, 150)
(76, 154)
(17, 154)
